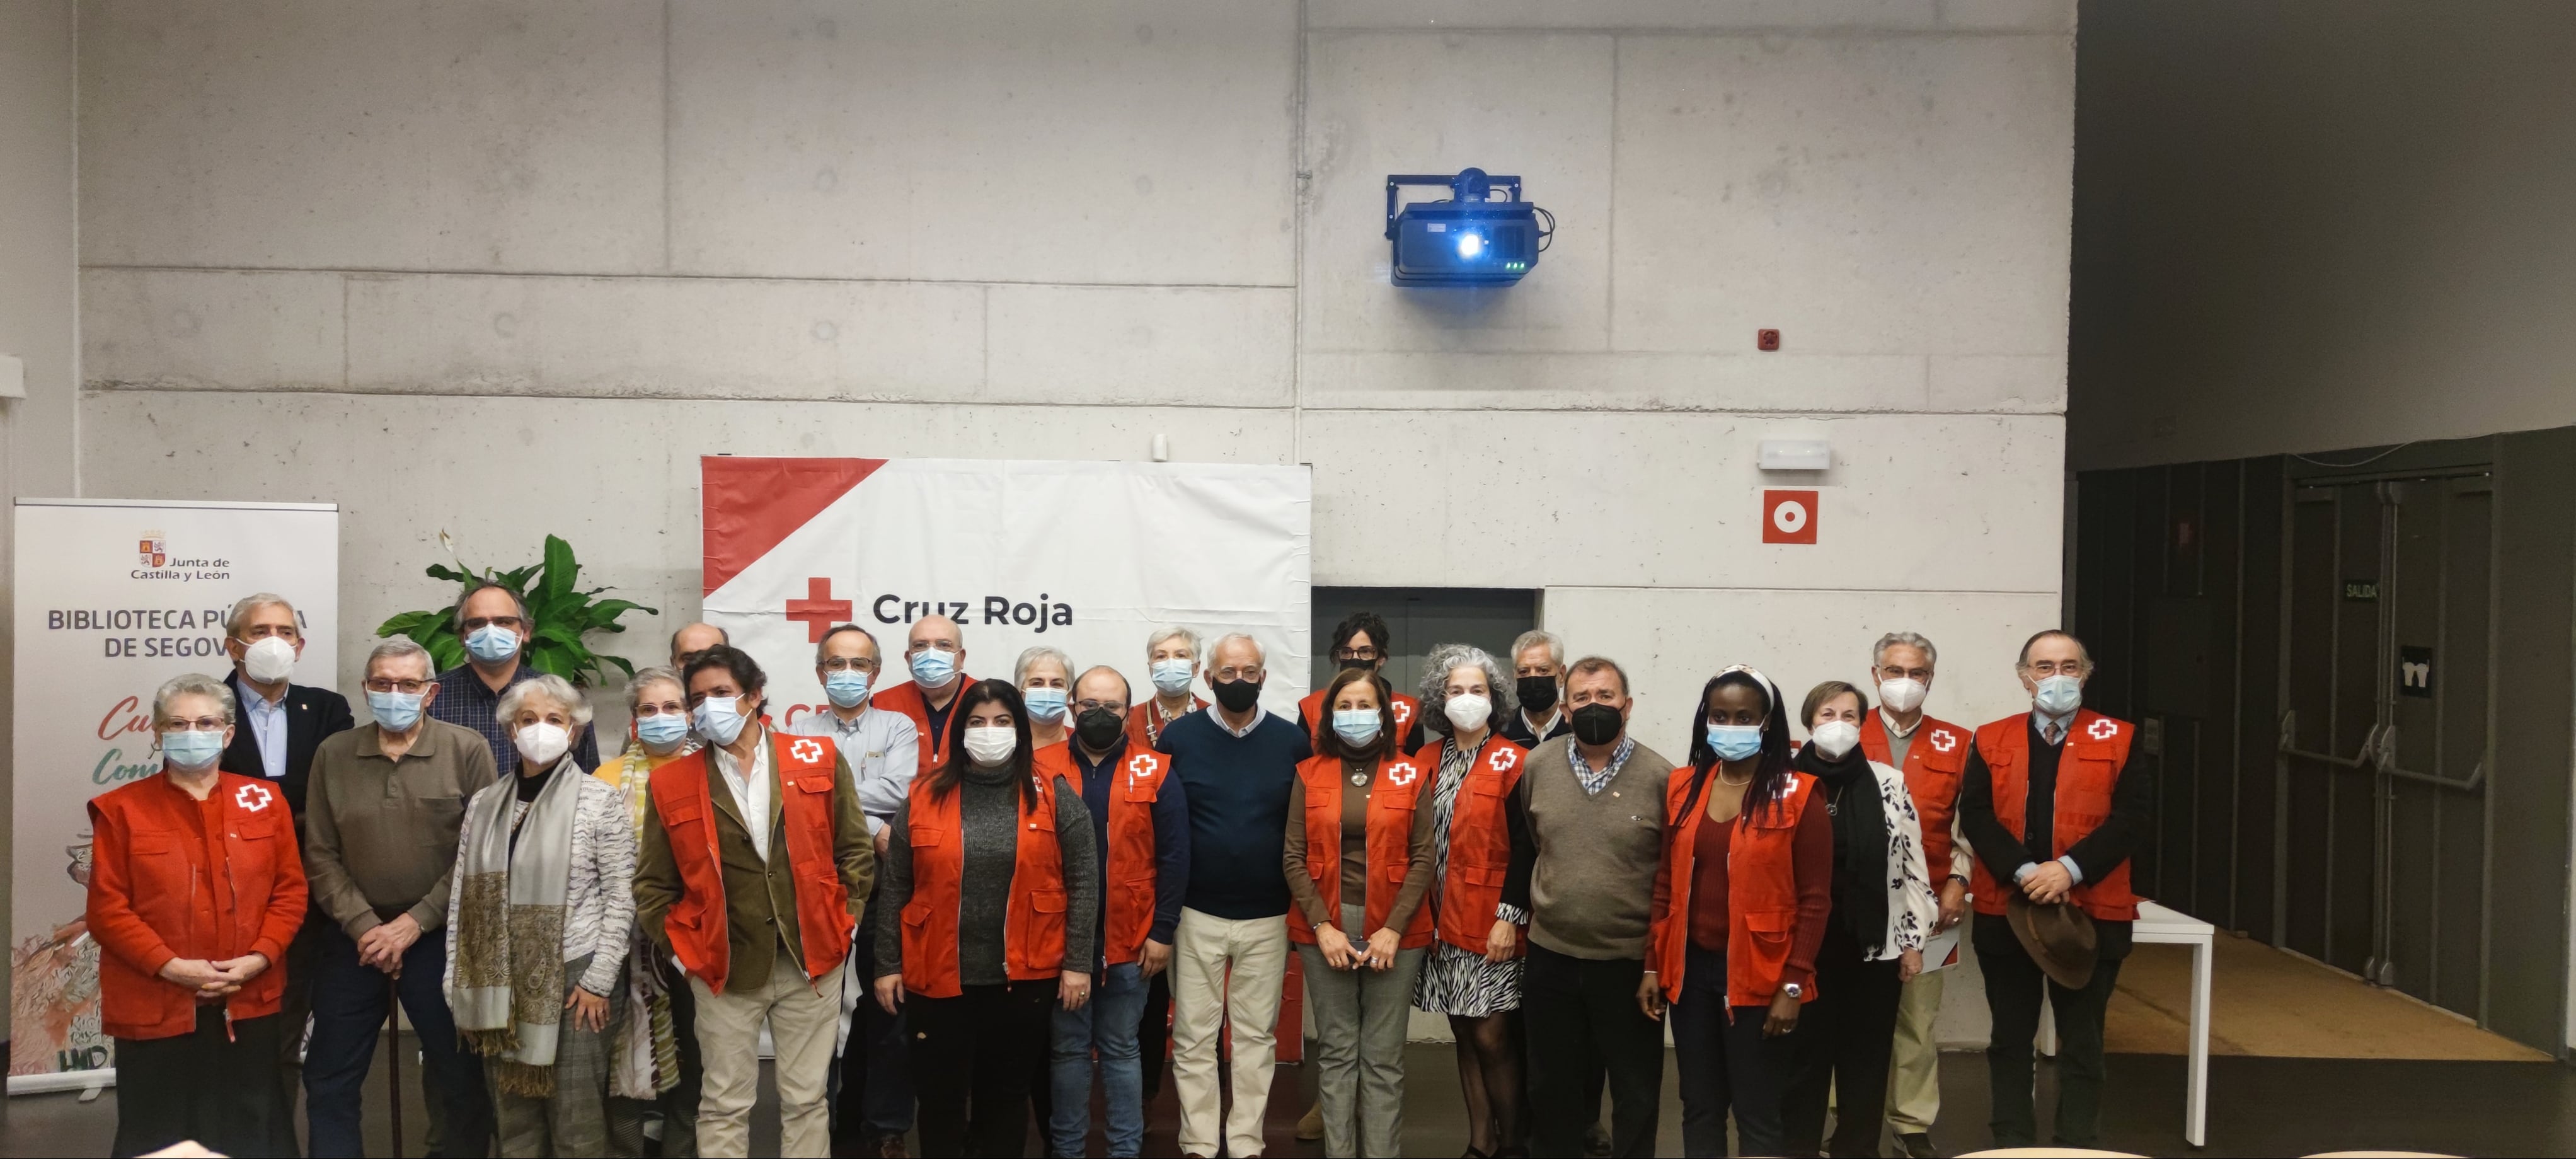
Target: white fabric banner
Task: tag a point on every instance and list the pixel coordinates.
(114, 597)
(1083, 556)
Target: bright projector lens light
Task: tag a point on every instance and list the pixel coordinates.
(1469, 245)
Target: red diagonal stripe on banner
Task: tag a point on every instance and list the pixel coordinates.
(751, 504)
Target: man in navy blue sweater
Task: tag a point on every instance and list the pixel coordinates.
(1236, 762)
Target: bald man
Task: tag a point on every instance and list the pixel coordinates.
(935, 653)
(693, 639)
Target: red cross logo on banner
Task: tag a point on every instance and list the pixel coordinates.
(818, 609)
(806, 750)
(253, 798)
(2103, 728)
(1943, 741)
(1401, 773)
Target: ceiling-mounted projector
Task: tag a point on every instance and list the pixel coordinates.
(1469, 239)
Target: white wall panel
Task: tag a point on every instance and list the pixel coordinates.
(1656, 499)
(1143, 344)
(1137, 141)
(419, 134)
(212, 329)
(1743, 15)
(1863, 195)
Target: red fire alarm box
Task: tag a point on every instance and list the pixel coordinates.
(1788, 516)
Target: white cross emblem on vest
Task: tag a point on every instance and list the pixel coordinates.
(1138, 768)
(253, 798)
(1943, 740)
(1401, 773)
(808, 750)
(1501, 761)
(2104, 728)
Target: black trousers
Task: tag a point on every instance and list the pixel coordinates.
(1844, 1040)
(1726, 1065)
(2013, 987)
(1154, 1034)
(172, 1090)
(1582, 1020)
(872, 1081)
(972, 1058)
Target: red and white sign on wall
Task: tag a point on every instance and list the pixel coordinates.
(1788, 516)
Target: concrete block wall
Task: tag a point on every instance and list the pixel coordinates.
(503, 270)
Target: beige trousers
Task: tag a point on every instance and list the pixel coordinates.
(1914, 1065)
(804, 1018)
(1224, 972)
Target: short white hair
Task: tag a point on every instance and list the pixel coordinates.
(1914, 640)
(243, 607)
(1533, 638)
(1030, 656)
(1261, 655)
(1170, 632)
(190, 684)
(547, 686)
(399, 648)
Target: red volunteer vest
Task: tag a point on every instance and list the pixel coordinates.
(1032, 924)
(1319, 718)
(155, 886)
(805, 768)
(906, 698)
(1394, 786)
(1934, 765)
(1480, 843)
(1761, 890)
(2088, 770)
(1128, 872)
(1144, 723)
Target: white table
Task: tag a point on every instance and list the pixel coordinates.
(2164, 926)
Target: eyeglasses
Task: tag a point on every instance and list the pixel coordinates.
(845, 664)
(406, 687)
(479, 622)
(2054, 667)
(1088, 705)
(1356, 653)
(201, 724)
(1247, 672)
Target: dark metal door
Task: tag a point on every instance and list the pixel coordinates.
(2388, 625)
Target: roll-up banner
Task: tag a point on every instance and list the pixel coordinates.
(1083, 556)
(114, 597)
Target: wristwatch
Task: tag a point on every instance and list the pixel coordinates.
(1794, 990)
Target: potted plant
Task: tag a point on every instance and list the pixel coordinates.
(565, 615)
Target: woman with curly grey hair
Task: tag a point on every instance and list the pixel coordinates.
(1474, 975)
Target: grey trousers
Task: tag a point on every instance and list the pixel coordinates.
(574, 1123)
(1360, 1016)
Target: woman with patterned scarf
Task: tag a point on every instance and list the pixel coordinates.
(654, 1080)
(537, 929)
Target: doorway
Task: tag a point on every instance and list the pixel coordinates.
(1421, 619)
(2386, 734)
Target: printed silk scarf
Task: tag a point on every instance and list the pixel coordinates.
(508, 994)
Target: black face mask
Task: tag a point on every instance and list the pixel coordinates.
(1538, 693)
(1099, 727)
(1237, 695)
(1597, 724)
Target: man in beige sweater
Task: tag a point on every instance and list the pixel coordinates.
(1587, 829)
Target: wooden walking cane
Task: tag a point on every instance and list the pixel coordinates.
(393, 1047)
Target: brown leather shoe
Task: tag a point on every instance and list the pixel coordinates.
(1311, 1127)
(890, 1146)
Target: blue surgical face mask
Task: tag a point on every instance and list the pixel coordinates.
(1045, 704)
(1735, 742)
(395, 710)
(663, 731)
(719, 718)
(492, 643)
(193, 751)
(1356, 726)
(932, 668)
(1172, 677)
(847, 689)
(2058, 695)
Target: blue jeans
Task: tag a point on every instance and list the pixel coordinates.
(349, 1009)
(1109, 1022)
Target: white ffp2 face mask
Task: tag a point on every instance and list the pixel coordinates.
(541, 744)
(989, 745)
(1467, 710)
(268, 659)
(1900, 694)
(1834, 738)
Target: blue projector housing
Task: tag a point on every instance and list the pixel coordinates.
(1467, 240)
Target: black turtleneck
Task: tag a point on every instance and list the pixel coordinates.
(1850, 792)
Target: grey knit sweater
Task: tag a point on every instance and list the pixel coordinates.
(990, 815)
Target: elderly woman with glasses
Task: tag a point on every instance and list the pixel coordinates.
(654, 1071)
(185, 977)
(537, 926)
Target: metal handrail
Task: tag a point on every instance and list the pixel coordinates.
(2378, 753)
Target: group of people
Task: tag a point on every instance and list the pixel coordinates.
(953, 902)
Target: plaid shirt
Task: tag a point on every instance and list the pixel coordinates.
(1595, 781)
(464, 699)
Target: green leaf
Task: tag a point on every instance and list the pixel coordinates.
(565, 614)
(442, 571)
(561, 569)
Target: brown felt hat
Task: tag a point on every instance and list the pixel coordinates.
(2058, 936)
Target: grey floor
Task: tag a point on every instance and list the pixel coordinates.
(2258, 1106)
